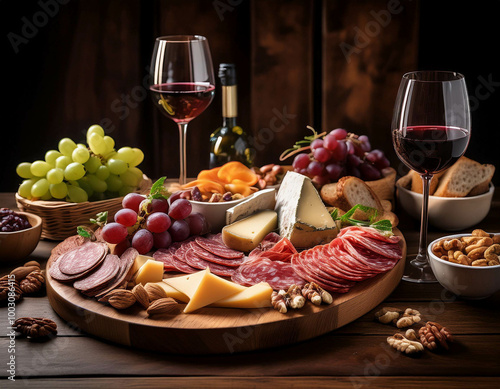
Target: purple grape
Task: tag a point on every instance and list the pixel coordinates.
(353, 160)
(339, 133)
(316, 143)
(114, 233)
(365, 143)
(196, 222)
(180, 209)
(301, 161)
(179, 230)
(158, 222)
(382, 163)
(353, 171)
(126, 217)
(146, 205)
(321, 180)
(333, 171)
(162, 240)
(350, 147)
(159, 205)
(369, 172)
(340, 152)
(322, 155)
(315, 168)
(142, 241)
(132, 201)
(330, 142)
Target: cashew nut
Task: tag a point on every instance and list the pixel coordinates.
(493, 252)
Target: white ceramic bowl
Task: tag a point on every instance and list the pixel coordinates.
(473, 282)
(447, 213)
(215, 213)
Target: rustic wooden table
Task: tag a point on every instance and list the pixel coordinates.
(354, 356)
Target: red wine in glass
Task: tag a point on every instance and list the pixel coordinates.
(430, 131)
(182, 101)
(430, 149)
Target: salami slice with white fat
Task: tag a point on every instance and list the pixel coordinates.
(208, 256)
(82, 259)
(193, 260)
(167, 257)
(214, 246)
(108, 269)
(179, 261)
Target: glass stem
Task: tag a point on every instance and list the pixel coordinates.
(421, 258)
(182, 152)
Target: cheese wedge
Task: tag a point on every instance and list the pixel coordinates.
(246, 234)
(302, 215)
(263, 199)
(186, 284)
(172, 292)
(138, 262)
(151, 271)
(256, 296)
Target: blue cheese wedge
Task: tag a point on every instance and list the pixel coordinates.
(302, 215)
(263, 199)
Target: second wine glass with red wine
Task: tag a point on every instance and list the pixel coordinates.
(182, 82)
(430, 131)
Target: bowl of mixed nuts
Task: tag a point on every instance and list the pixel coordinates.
(467, 265)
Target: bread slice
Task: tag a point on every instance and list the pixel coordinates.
(417, 185)
(465, 175)
(352, 191)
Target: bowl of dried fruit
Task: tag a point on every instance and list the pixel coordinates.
(467, 265)
(19, 234)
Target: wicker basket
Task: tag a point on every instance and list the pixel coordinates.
(60, 218)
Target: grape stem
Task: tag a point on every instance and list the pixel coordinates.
(299, 145)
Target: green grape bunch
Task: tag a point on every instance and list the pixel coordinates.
(78, 172)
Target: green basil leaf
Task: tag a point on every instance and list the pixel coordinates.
(82, 231)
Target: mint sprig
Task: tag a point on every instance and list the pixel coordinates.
(381, 225)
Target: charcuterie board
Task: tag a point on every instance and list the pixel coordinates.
(220, 330)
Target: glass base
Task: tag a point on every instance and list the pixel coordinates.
(419, 271)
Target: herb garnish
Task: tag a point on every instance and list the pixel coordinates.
(383, 225)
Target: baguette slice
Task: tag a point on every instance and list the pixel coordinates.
(465, 175)
(352, 191)
(417, 185)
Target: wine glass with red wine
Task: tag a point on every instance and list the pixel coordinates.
(182, 82)
(430, 131)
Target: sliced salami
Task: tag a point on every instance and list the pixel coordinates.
(126, 262)
(281, 250)
(193, 260)
(208, 256)
(167, 257)
(269, 241)
(82, 259)
(56, 274)
(217, 248)
(68, 244)
(179, 261)
(108, 269)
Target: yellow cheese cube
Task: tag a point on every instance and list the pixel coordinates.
(151, 271)
(256, 296)
(246, 234)
(138, 262)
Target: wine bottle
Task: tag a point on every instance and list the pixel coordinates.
(229, 142)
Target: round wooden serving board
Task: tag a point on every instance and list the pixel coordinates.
(220, 330)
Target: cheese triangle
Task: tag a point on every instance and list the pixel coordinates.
(186, 284)
(256, 296)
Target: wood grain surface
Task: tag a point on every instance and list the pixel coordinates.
(220, 330)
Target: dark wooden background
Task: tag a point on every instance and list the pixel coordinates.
(326, 63)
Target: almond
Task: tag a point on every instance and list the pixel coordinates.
(21, 272)
(141, 295)
(162, 306)
(121, 298)
(155, 291)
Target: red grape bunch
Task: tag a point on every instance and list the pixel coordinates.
(339, 154)
(146, 222)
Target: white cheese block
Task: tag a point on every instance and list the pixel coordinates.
(255, 296)
(263, 199)
(302, 215)
(246, 234)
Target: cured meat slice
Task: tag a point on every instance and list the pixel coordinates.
(83, 258)
(56, 274)
(179, 261)
(313, 277)
(374, 260)
(193, 260)
(279, 275)
(269, 241)
(275, 251)
(208, 256)
(68, 244)
(108, 269)
(126, 262)
(368, 232)
(167, 257)
(347, 263)
(217, 248)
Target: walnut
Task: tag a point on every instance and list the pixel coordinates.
(297, 301)
(409, 317)
(162, 306)
(316, 294)
(141, 295)
(434, 334)
(9, 285)
(405, 345)
(279, 301)
(388, 315)
(35, 327)
(33, 282)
